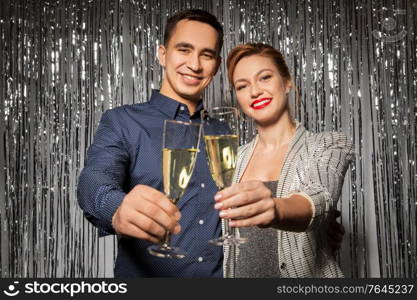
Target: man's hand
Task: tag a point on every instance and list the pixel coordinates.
(147, 214)
(335, 231)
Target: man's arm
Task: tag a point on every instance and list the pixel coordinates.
(100, 185)
(143, 212)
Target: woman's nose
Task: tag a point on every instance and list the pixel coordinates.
(255, 91)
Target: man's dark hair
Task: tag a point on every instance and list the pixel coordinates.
(194, 15)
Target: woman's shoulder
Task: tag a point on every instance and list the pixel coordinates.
(329, 140)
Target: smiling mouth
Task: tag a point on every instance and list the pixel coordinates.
(261, 103)
(191, 79)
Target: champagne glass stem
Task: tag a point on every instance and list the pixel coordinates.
(227, 229)
(164, 249)
(167, 240)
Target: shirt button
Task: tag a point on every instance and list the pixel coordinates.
(200, 259)
(203, 185)
(182, 107)
(283, 266)
(201, 222)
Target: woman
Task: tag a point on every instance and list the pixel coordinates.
(287, 179)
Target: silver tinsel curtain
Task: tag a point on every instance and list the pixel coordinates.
(62, 63)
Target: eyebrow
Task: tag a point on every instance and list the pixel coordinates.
(243, 79)
(190, 46)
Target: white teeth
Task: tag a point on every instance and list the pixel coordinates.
(190, 77)
(261, 103)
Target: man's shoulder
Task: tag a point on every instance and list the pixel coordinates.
(128, 116)
(128, 113)
(127, 109)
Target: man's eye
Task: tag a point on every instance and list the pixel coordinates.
(207, 56)
(183, 50)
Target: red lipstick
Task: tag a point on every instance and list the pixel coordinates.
(261, 103)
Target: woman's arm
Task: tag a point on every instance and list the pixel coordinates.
(250, 203)
(325, 174)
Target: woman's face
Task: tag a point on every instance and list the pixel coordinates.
(260, 89)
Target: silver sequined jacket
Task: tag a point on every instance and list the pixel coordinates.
(314, 166)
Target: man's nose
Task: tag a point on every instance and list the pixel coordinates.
(193, 63)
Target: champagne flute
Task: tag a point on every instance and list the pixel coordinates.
(221, 136)
(179, 153)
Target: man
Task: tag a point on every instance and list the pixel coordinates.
(120, 187)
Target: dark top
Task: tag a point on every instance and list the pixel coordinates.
(261, 243)
(127, 151)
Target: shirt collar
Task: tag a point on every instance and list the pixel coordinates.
(169, 106)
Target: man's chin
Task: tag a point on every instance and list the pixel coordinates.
(194, 97)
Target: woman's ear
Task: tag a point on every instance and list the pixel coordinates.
(288, 86)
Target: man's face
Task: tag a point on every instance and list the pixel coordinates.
(190, 60)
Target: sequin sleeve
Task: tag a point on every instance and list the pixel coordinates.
(325, 174)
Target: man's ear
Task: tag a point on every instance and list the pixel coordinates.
(218, 62)
(161, 55)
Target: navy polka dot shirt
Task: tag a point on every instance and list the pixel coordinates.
(127, 151)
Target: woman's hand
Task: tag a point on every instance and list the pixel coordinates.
(250, 203)
(247, 203)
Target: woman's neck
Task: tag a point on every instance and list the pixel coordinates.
(276, 135)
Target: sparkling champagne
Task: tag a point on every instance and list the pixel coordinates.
(178, 165)
(222, 154)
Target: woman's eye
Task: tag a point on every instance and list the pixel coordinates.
(238, 88)
(266, 77)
